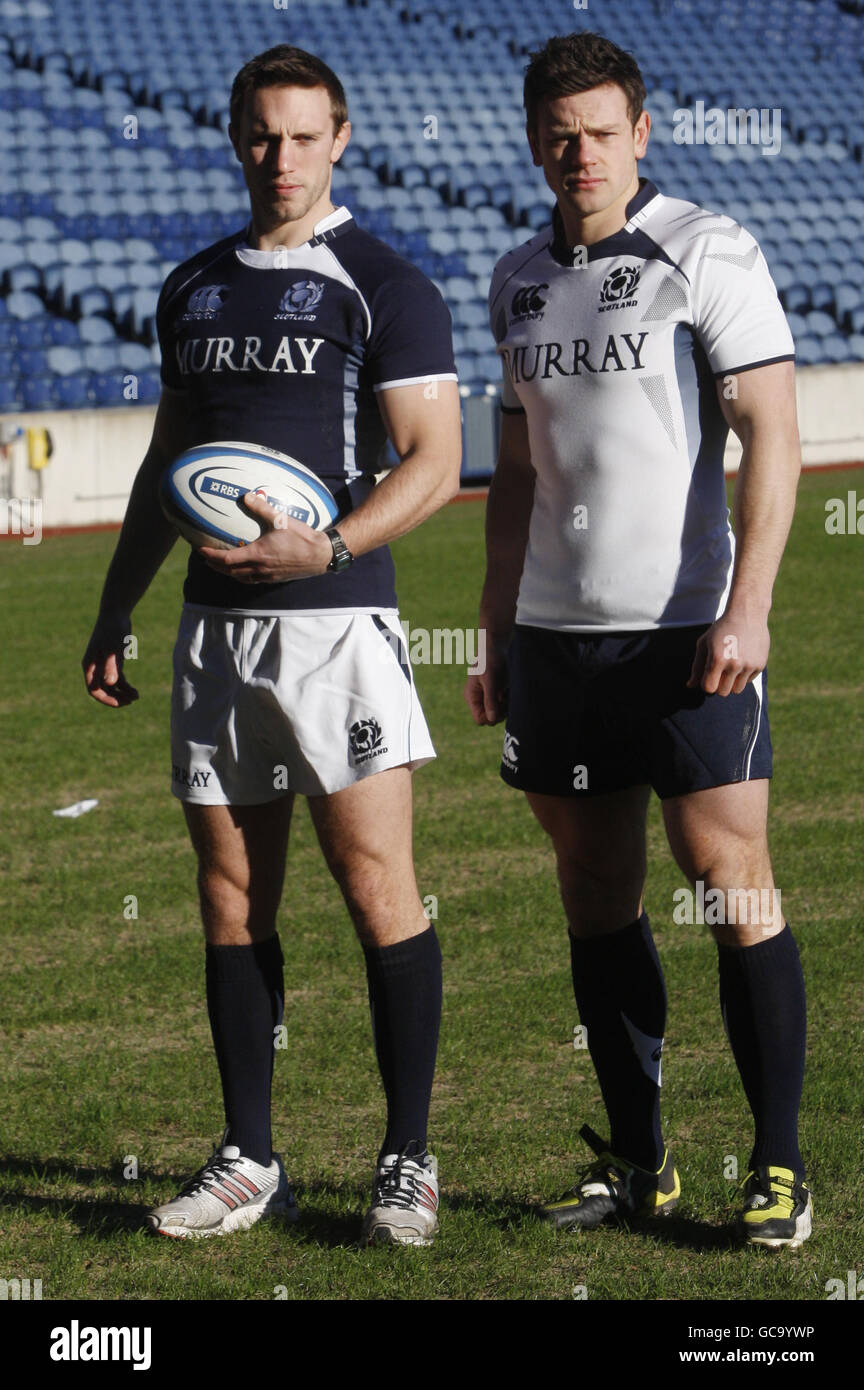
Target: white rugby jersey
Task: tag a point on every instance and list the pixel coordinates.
(614, 364)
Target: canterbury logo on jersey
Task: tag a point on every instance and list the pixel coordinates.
(528, 302)
(621, 352)
(206, 302)
(227, 355)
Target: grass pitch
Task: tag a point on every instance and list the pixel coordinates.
(110, 1089)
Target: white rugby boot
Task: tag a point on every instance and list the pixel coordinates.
(404, 1208)
(230, 1193)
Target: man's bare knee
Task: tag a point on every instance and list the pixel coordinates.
(595, 901)
(383, 906)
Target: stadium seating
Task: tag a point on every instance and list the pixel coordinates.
(142, 174)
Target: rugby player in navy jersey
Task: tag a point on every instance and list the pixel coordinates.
(304, 334)
(630, 624)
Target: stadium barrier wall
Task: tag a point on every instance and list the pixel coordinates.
(96, 453)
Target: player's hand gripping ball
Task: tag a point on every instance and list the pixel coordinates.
(201, 493)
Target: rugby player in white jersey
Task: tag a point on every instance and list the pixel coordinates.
(628, 630)
(304, 334)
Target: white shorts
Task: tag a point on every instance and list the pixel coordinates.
(308, 703)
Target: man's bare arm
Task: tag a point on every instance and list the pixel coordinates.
(145, 540)
(508, 514)
(426, 432)
(764, 416)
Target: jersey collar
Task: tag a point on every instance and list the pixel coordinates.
(330, 226)
(641, 206)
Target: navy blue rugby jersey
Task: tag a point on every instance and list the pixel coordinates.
(287, 348)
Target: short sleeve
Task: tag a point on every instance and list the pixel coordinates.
(411, 336)
(498, 327)
(169, 370)
(509, 400)
(738, 317)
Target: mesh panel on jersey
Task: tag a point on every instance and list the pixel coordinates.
(744, 262)
(655, 389)
(669, 297)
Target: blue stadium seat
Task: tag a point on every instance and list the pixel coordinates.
(819, 325)
(62, 332)
(10, 394)
(96, 330)
(23, 277)
(835, 348)
(91, 302)
(33, 362)
(796, 300)
(808, 351)
(847, 297)
(71, 281)
(149, 386)
(104, 251)
(11, 254)
(822, 297)
(107, 388)
(33, 333)
(38, 392)
(100, 357)
(797, 324)
(143, 274)
(64, 361)
(73, 392)
(74, 252)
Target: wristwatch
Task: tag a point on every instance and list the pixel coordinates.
(342, 556)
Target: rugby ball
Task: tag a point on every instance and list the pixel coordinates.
(201, 492)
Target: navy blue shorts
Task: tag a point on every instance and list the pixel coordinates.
(590, 713)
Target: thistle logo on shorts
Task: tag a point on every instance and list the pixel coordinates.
(365, 738)
(510, 755)
(298, 301)
(619, 288)
(527, 303)
(205, 303)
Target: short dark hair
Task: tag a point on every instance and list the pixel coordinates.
(285, 66)
(570, 63)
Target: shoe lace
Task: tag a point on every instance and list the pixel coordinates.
(211, 1172)
(781, 1189)
(398, 1186)
(602, 1169)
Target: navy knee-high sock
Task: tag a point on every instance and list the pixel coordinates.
(405, 1001)
(245, 998)
(764, 1012)
(621, 997)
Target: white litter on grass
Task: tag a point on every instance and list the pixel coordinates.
(79, 809)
